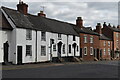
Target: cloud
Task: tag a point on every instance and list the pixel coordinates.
(92, 12)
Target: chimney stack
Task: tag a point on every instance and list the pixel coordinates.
(99, 28)
(79, 22)
(109, 25)
(104, 25)
(118, 26)
(22, 7)
(42, 14)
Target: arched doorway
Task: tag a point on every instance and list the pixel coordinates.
(59, 48)
(74, 45)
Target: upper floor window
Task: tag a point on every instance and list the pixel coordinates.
(104, 51)
(59, 36)
(74, 38)
(43, 36)
(85, 39)
(28, 50)
(104, 43)
(91, 50)
(85, 50)
(108, 43)
(91, 39)
(117, 35)
(28, 34)
(43, 50)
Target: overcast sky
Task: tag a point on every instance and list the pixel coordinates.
(68, 11)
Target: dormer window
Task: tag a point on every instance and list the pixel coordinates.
(74, 38)
(28, 34)
(43, 36)
(59, 36)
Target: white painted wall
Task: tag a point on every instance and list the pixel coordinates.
(43, 43)
(21, 41)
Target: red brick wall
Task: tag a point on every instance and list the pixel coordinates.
(95, 45)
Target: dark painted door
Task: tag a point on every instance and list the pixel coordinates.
(80, 52)
(98, 54)
(19, 53)
(59, 49)
(6, 47)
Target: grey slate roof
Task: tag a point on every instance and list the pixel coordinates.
(114, 29)
(39, 23)
(4, 25)
(85, 30)
(103, 37)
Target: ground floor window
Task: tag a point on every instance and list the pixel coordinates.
(54, 47)
(109, 51)
(28, 50)
(64, 49)
(104, 51)
(91, 50)
(43, 50)
(85, 50)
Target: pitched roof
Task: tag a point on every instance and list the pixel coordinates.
(39, 23)
(85, 30)
(4, 24)
(103, 37)
(114, 29)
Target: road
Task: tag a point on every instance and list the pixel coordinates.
(105, 69)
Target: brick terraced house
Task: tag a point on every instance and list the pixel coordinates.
(89, 41)
(105, 44)
(114, 34)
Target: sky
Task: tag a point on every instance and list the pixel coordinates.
(92, 12)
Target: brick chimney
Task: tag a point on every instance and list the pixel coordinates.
(79, 22)
(109, 25)
(22, 7)
(104, 25)
(99, 28)
(42, 14)
(118, 26)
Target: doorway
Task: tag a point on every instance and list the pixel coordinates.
(19, 54)
(6, 49)
(59, 48)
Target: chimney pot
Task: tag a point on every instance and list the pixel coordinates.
(42, 14)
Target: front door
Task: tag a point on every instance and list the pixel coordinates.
(80, 52)
(98, 54)
(6, 47)
(59, 49)
(19, 54)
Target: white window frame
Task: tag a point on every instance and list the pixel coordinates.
(104, 43)
(29, 52)
(109, 43)
(43, 37)
(28, 34)
(85, 38)
(59, 36)
(109, 52)
(91, 39)
(43, 50)
(84, 50)
(91, 50)
(104, 51)
(54, 47)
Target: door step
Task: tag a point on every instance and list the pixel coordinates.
(76, 59)
(96, 59)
